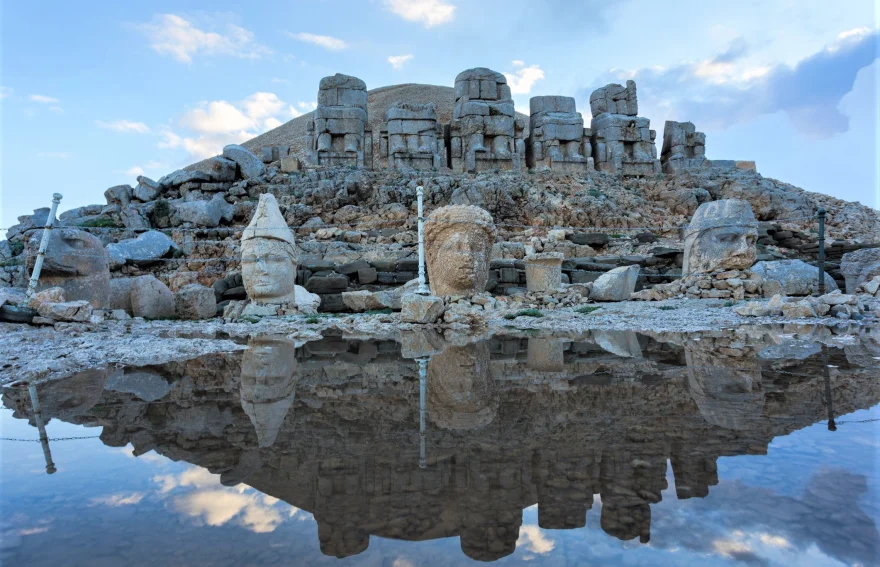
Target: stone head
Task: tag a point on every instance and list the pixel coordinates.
(727, 389)
(458, 245)
(460, 388)
(721, 236)
(76, 261)
(268, 256)
(268, 384)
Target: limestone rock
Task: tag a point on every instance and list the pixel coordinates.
(615, 285)
(837, 298)
(250, 165)
(146, 189)
(49, 295)
(458, 243)
(195, 301)
(360, 301)
(306, 301)
(75, 261)
(151, 299)
(860, 266)
(870, 287)
(181, 176)
(145, 249)
(72, 311)
(795, 277)
(424, 309)
(752, 309)
(721, 236)
(204, 213)
(799, 309)
(221, 170)
(120, 294)
(119, 195)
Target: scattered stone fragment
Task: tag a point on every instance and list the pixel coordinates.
(424, 309)
(195, 301)
(615, 285)
(151, 299)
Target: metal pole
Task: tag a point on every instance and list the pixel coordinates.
(41, 427)
(828, 401)
(423, 379)
(423, 288)
(821, 214)
(47, 231)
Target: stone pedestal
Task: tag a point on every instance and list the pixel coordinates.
(544, 271)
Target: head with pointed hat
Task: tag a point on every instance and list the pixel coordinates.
(268, 255)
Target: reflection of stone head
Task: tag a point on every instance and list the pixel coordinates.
(460, 388)
(727, 390)
(268, 255)
(721, 236)
(458, 244)
(627, 522)
(268, 384)
(76, 261)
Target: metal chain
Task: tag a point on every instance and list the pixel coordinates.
(51, 439)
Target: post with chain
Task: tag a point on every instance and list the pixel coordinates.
(423, 288)
(423, 380)
(821, 214)
(41, 426)
(44, 242)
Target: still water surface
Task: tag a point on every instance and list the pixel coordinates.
(608, 448)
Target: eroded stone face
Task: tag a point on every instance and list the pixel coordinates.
(268, 384)
(458, 243)
(76, 262)
(721, 236)
(460, 388)
(268, 256)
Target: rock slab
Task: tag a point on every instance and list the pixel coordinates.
(615, 285)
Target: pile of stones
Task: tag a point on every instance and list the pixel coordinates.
(835, 304)
(727, 284)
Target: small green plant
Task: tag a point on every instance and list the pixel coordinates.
(10, 263)
(384, 311)
(587, 309)
(524, 313)
(666, 307)
(729, 303)
(616, 235)
(161, 209)
(99, 223)
(312, 320)
(595, 193)
(251, 319)
(17, 248)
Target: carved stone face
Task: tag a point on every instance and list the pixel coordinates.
(268, 384)
(268, 271)
(458, 243)
(460, 387)
(75, 261)
(459, 259)
(726, 248)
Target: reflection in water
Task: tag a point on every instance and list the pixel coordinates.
(457, 440)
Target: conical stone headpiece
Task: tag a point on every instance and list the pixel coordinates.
(268, 222)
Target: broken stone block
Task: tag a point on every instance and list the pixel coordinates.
(72, 311)
(795, 277)
(250, 165)
(360, 301)
(194, 301)
(413, 138)
(145, 249)
(557, 139)
(151, 299)
(683, 147)
(146, 189)
(615, 285)
(860, 266)
(339, 134)
(423, 309)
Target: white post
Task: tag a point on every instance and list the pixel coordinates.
(47, 231)
(423, 379)
(423, 288)
(41, 427)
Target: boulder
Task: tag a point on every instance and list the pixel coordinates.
(73, 311)
(151, 299)
(795, 277)
(181, 176)
(392, 298)
(146, 189)
(752, 309)
(221, 170)
(194, 301)
(250, 165)
(204, 213)
(798, 309)
(119, 195)
(360, 301)
(615, 285)
(306, 301)
(871, 287)
(145, 249)
(859, 266)
(120, 294)
(49, 295)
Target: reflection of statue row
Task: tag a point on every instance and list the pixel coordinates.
(486, 133)
(511, 422)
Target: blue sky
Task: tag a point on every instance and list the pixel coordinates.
(94, 93)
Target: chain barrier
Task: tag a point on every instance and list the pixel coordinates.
(53, 439)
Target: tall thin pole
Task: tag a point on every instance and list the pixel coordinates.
(47, 231)
(41, 427)
(821, 214)
(828, 400)
(423, 379)
(423, 288)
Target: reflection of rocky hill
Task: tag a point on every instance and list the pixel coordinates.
(510, 423)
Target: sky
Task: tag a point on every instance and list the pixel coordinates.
(93, 94)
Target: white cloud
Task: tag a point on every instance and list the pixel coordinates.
(428, 12)
(170, 34)
(307, 106)
(518, 63)
(134, 171)
(6, 92)
(397, 61)
(325, 41)
(116, 500)
(56, 109)
(54, 155)
(524, 78)
(534, 539)
(124, 126)
(43, 99)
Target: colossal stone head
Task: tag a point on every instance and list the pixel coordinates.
(727, 389)
(721, 236)
(460, 388)
(75, 261)
(268, 256)
(268, 384)
(458, 243)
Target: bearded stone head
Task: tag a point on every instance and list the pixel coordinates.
(458, 244)
(721, 236)
(75, 261)
(460, 388)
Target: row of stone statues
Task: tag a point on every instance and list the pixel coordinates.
(485, 133)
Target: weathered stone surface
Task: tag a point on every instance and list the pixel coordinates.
(871, 286)
(146, 189)
(181, 176)
(721, 236)
(306, 301)
(250, 165)
(798, 309)
(195, 301)
(544, 271)
(795, 277)
(615, 99)
(75, 261)
(360, 301)
(424, 309)
(49, 295)
(145, 249)
(221, 170)
(837, 298)
(752, 309)
(120, 294)
(151, 299)
(269, 255)
(268, 385)
(337, 134)
(683, 147)
(615, 285)
(860, 266)
(556, 136)
(414, 138)
(119, 195)
(458, 243)
(204, 213)
(461, 388)
(73, 311)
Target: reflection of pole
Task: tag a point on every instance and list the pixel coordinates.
(44, 242)
(821, 262)
(422, 289)
(828, 402)
(423, 379)
(41, 427)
